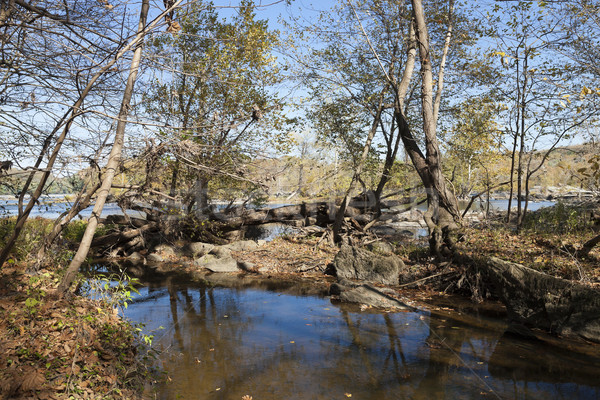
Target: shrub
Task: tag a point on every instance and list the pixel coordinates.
(30, 239)
(74, 230)
(560, 218)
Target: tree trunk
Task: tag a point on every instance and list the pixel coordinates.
(114, 160)
(202, 194)
(442, 213)
(512, 174)
(393, 144)
(522, 105)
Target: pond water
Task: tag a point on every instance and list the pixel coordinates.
(276, 343)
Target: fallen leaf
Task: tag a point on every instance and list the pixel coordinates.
(33, 381)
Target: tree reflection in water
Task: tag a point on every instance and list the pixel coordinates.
(224, 343)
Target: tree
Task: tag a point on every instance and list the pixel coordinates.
(442, 216)
(53, 55)
(114, 158)
(380, 69)
(539, 87)
(216, 96)
(472, 144)
(350, 97)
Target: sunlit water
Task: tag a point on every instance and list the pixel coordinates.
(224, 343)
(52, 207)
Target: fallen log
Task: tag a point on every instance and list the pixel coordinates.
(124, 220)
(319, 213)
(114, 238)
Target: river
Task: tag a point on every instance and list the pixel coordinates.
(52, 206)
(272, 341)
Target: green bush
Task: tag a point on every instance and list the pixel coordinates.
(560, 218)
(74, 230)
(30, 239)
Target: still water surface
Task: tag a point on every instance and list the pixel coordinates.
(225, 343)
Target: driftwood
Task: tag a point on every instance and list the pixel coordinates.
(124, 236)
(132, 234)
(319, 213)
(129, 234)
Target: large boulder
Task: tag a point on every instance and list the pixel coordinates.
(215, 264)
(356, 263)
(542, 301)
(242, 245)
(221, 252)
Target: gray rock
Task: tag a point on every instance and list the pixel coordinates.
(165, 249)
(542, 301)
(246, 266)
(221, 252)
(198, 249)
(242, 245)
(355, 263)
(215, 264)
(383, 248)
(205, 260)
(234, 235)
(153, 257)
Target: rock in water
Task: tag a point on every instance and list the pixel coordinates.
(546, 302)
(370, 296)
(355, 263)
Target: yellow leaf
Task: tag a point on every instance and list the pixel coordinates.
(348, 394)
